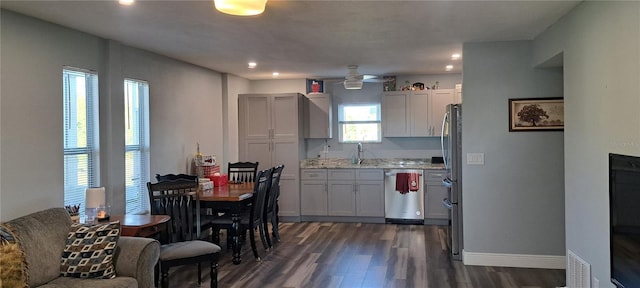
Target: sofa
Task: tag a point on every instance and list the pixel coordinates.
(42, 237)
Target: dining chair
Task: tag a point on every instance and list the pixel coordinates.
(251, 219)
(242, 171)
(166, 177)
(205, 218)
(271, 208)
(180, 245)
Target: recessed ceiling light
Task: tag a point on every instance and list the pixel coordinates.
(126, 2)
(275, 74)
(455, 56)
(449, 67)
(252, 65)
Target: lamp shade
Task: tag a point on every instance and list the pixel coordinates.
(95, 197)
(240, 7)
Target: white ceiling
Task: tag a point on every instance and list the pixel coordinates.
(306, 39)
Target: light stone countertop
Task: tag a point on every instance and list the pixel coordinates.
(388, 163)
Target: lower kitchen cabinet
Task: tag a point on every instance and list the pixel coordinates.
(313, 197)
(313, 192)
(342, 198)
(370, 198)
(436, 192)
(342, 192)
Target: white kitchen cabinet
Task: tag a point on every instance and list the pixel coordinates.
(270, 130)
(370, 192)
(457, 99)
(414, 113)
(395, 119)
(436, 192)
(341, 190)
(317, 116)
(438, 101)
(346, 192)
(313, 192)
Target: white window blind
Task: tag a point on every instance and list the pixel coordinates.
(80, 100)
(359, 123)
(136, 99)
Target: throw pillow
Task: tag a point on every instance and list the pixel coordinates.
(89, 251)
(13, 265)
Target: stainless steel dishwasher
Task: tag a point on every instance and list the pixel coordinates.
(403, 208)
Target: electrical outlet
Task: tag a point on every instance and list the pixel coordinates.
(475, 158)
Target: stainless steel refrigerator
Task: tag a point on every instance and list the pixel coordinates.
(451, 141)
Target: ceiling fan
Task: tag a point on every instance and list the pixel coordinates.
(354, 79)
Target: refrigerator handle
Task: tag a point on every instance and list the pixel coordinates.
(444, 157)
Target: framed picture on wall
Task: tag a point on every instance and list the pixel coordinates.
(536, 114)
(315, 86)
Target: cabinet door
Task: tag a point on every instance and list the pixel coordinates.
(435, 193)
(434, 208)
(342, 198)
(284, 115)
(255, 117)
(313, 198)
(419, 112)
(318, 116)
(370, 198)
(289, 200)
(395, 116)
(256, 150)
(437, 108)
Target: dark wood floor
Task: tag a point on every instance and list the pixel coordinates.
(361, 255)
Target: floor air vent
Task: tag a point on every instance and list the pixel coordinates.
(578, 271)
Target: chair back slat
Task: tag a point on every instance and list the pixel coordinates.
(261, 187)
(242, 171)
(178, 199)
(274, 191)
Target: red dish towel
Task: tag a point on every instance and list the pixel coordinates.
(402, 183)
(414, 182)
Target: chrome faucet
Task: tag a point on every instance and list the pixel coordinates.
(360, 153)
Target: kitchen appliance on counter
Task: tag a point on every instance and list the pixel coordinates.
(404, 196)
(451, 141)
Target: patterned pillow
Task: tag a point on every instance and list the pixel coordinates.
(13, 266)
(89, 251)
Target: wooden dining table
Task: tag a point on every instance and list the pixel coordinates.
(140, 225)
(232, 198)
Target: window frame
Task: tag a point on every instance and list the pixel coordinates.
(342, 123)
(74, 194)
(140, 202)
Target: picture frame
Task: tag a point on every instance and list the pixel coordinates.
(311, 87)
(536, 114)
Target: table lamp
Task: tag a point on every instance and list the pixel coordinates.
(95, 203)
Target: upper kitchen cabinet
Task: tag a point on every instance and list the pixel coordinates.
(414, 113)
(395, 119)
(270, 132)
(438, 101)
(458, 94)
(317, 116)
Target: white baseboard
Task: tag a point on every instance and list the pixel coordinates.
(514, 260)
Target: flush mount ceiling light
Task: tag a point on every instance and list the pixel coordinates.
(252, 65)
(449, 68)
(240, 7)
(126, 2)
(455, 56)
